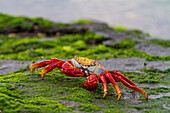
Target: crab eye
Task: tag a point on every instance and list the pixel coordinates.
(75, 57)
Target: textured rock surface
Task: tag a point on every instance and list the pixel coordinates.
(7, 66)
(153, 49)
(132, 64)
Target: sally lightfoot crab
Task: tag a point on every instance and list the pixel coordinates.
(84, 67)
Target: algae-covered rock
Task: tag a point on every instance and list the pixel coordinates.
(143, 60)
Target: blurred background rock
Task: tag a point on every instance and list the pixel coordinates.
(148, 15)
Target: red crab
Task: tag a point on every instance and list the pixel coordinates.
(84, 67)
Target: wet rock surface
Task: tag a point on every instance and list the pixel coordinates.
(159, 95)
(7, 66)
(153, 49)
(69, 103)
(132, 64)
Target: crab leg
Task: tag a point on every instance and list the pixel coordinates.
(119, 78)
(103, 79)
(114, 84)
(123, 76)
(51, 67)
(38, 65)
(52, 64)
(42, 64)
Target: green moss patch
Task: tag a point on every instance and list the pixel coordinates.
(67, 47)
(86, 44)
(27, 92)
(23, 91)
(8, 20)
(82, 21)
(149, 77)
(154, 105)
(126, 44)
(88, 108)
(155, 70)
(163, 43)
(120, 28)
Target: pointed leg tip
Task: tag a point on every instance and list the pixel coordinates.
(31, 69)
(105, 93)
(42, 76)
(119, 96)
(33, 66)
(146, 96)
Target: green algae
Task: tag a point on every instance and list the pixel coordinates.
(156, 91)
(136, 32)
(119, 28)
(155, 70)
(154, 77)
(8, 20)
(125, 44)
(82, 21)
(23, 91)
(59, 24)
(67, 47)
(44, 22)
(149, 77)
(15, 100)
(163, 43)
(153, 106)
(88, 108)
(80, 45)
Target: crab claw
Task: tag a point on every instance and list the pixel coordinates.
(51, 67)
(54, 62)
(91, 84)
(69, 70)
(38, 65)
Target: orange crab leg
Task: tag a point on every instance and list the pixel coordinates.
(54, 62)
(123, 76)
(51, 67)
(114, 84)
(38, 65)
(103, 79)
(119, 78)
